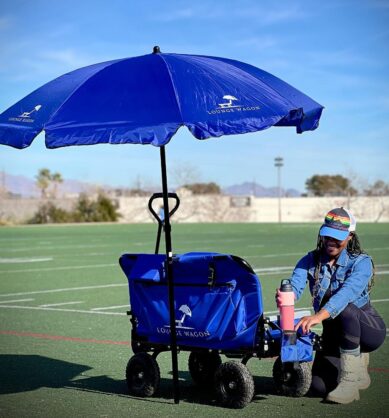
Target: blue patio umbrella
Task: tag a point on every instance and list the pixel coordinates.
(145, 100)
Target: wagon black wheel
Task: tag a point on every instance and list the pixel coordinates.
(234, 385)
(142, 375)
(203, 366)
(292, 380)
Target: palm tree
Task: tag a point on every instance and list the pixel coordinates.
(43, 181)
(56, 178)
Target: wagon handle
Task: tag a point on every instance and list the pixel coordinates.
(159, 216)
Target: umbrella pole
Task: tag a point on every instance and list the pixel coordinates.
(169, 273)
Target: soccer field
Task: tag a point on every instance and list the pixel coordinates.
(65, 334)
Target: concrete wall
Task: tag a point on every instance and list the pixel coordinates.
(221, 209)
(20, 210)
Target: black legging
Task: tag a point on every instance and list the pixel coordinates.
(353, 327)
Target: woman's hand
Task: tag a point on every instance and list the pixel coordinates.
(278, 298)
(307, 322)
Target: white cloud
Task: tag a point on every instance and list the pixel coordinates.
(270, 16)
(65, 58)
(258, 42)
(262, 15)
(24, 61)
(175, 15)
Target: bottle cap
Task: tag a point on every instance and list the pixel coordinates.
(286, 286)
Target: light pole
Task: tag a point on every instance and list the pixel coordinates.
(279, 162)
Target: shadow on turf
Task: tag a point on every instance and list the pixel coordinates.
(189, 392)
(23, 373)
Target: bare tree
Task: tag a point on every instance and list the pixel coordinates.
(184, 173)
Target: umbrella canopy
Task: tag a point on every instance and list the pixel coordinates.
(146, 99)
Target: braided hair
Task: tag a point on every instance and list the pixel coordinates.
(354, 248)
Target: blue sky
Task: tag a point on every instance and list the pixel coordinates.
(336, 51)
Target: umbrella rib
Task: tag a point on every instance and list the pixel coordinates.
(271, 87)
(76, 88)
(173, 86)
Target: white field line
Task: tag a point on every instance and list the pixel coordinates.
(81, 246)
(54, 247)
(296, 311)
(94, 311)
(24, 260)
(68, 289)
(60, 304)
(39, 308)
(110, 307)
(310, 308)
(273, 269)
(89, 255)
(91, 266)
(263, 271)
(201, 241)
(277, 255)
(17, 300)
(301, 253)
(276, 270)
(270, 273)
(102, 312)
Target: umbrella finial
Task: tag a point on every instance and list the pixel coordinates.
(156, 50)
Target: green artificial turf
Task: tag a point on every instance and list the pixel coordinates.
(64, 334)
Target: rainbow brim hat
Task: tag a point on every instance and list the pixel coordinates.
(338, 224)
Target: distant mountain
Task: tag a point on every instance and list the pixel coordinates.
(257, 190)
(25, 187)
(18, 185)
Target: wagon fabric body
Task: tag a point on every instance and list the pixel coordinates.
(218, 300)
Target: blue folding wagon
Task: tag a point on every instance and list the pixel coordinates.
(218, 311)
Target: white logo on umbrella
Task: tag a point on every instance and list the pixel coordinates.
(28, 114)
(229, 103)
(229, 107)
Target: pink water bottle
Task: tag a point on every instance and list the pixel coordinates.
(286, 306)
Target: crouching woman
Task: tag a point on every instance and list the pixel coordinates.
(339, 274)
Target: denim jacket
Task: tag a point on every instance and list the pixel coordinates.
(347, 279)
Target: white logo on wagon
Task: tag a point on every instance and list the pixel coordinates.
(181, 330)
(186, 312)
